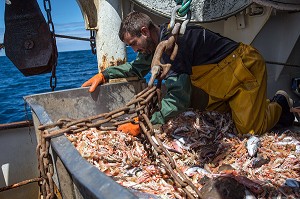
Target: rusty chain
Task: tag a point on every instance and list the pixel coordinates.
(45, 166)
(53, 78)
(142, 106)
(162, 153)
(169, 47)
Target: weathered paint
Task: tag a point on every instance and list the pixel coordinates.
(110, 62)
(110, 49)
(105, 17)
(89, 13)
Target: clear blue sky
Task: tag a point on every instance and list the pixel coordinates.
(67, 19)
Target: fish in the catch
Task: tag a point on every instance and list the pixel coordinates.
(253, 144)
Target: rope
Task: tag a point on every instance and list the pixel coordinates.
(185, 7)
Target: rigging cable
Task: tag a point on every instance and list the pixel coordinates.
(72, 37)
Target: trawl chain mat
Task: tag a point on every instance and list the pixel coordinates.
(204, 146)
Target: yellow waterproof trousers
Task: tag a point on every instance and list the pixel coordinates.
(238, 84)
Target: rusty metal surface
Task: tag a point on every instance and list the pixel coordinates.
(14, 125)
(27, 37)
(202, 10)
(107, 62)
(19, 184)
(89, 12)
(144, 104)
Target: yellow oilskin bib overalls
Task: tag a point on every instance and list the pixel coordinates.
(238, 84)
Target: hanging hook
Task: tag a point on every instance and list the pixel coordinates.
(173, 16)
(185, 22)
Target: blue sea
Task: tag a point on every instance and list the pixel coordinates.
(73, 69)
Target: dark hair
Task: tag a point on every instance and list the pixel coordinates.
(133, 23)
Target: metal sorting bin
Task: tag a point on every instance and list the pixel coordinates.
(74, 176)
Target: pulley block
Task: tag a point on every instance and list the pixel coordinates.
(27, 38)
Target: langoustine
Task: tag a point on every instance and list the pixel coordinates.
(206, 142)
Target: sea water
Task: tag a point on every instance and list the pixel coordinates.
(73, 69)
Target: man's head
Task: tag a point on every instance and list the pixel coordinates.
(138, 31)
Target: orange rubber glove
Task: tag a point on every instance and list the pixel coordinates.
(130, 128)
(94, 82)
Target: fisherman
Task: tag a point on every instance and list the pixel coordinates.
(232, 74)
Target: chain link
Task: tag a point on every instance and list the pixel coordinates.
(45, 166)
(142, 105)
(53, 79)
(93, 41)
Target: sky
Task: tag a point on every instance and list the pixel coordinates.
(67, 19)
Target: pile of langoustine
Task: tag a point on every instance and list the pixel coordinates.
(205, 147)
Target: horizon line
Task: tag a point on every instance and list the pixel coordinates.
(3, 55)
